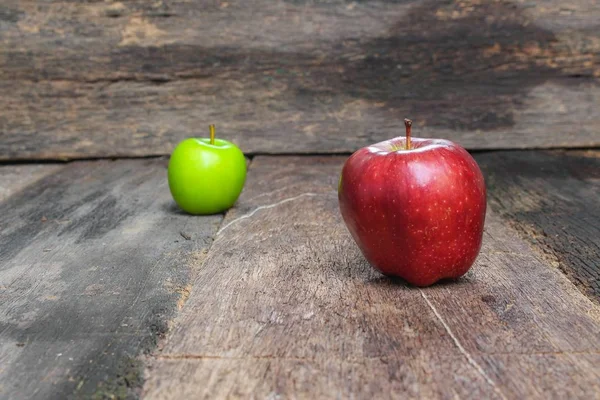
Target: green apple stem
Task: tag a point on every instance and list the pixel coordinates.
(408, 125)
(212, 133)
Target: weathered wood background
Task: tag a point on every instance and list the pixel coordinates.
(104, 284)
(132, 78)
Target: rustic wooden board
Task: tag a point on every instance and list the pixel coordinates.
(553, 200)
(93, 264)
(132, 78)
(15, 177)
(285, 305)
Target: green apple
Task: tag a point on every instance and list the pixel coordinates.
(206, 176)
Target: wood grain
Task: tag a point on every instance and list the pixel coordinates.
(553, 200)
(286, 306)
(132, 78)
(93, 264)
(16, 177)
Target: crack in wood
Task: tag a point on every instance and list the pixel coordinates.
(266, 207)
(460, 347)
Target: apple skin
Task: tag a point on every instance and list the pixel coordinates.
(206, 178)
(416, 214)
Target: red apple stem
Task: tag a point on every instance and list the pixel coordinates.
(408, 125)
(212, 133)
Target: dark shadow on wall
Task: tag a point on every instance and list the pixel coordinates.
(455, 67)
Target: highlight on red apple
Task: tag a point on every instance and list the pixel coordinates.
(415, 207)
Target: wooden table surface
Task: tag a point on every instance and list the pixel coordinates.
(107, 290)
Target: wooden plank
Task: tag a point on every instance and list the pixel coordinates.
(132, 78)
(285, 306)
(102, 41)
(552, 199)
(15, 177)
(134, 119)
(92, 267)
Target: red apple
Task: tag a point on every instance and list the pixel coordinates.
(415, 208)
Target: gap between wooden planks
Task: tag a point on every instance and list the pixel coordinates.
(285, 305)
